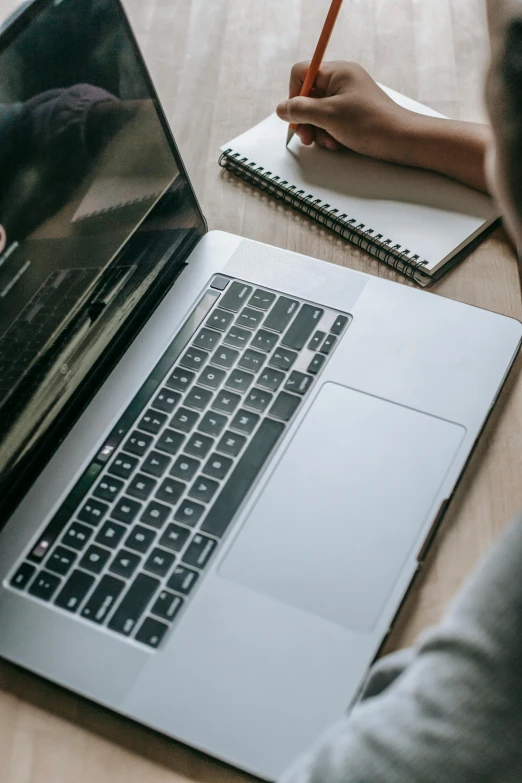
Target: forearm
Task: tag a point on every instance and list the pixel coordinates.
(455, 149)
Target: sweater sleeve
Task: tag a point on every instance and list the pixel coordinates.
(451, 709)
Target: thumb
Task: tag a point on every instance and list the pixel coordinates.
(310, 111)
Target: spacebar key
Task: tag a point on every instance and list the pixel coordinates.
(241, 479)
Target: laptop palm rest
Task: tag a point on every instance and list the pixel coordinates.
(344, 506)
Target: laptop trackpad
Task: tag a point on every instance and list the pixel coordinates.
(344, 505)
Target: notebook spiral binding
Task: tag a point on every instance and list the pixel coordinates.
(342, 225)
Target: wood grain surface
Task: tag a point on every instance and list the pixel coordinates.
(220, 66)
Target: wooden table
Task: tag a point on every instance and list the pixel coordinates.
(220, 66)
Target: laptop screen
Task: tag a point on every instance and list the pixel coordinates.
(96, 211)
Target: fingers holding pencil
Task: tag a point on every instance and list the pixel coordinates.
(317, 59)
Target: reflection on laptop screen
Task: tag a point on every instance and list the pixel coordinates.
(85, 164)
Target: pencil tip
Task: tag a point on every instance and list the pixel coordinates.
(289, 137)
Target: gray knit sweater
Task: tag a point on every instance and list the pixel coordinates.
(449, 710)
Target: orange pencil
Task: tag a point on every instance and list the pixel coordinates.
(317, 59)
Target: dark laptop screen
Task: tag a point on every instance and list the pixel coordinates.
(96, 211)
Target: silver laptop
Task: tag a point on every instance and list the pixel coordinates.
(221, 462)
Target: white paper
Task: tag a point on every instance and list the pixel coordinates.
(426, 213)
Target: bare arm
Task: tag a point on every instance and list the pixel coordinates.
(348, 109)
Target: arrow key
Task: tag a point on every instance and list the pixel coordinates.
(151, 632)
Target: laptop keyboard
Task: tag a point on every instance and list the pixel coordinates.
(129, 544)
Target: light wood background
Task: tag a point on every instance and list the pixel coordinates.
(220, 66)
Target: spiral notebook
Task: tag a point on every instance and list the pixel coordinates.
(416, 221)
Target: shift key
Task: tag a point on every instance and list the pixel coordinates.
(281, 314)
(302, 327)
(134, 603)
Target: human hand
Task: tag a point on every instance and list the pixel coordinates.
(346, 109)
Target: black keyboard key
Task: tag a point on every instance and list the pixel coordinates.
(77, 535)
(245, 421)
(175, 537)
(270, 379)
(166, 400)
(170, 491)
(249, 318)
(182, 580)
(239, 380)
(123, 466)
(235, 297)
(302, 326)
(152, 421)
(264, 340)
(258, 399)
(219, 319)
(199, 446)
(194, 359)
(44, 585)
(167, 605)
(199, 551)
(93, 512)
(138, 443)
(103, 599)
(203, 489)
(180, 379)
(23, 576)
(198, 398)
(242, 477)
(328, 344)
(226, 402)
(159, 562)
(225, 357)
(61, 560)
(141, 486)
(316, 364)
(134, 603)
(211, 377)
(281, 314)
(95, 559)
(184, 419)
(140, 539)
(212, 423)
(298, 382)
(207, 339)
(170, 441)
(156, 464)
(155, 515)
(339, 325)
(262, 299)
(74, 591)
(110, 534)
(125, 563)
(282, 358)
(217, 466)
(238, 337)
(108, 488)
(185, 468)
(316, 341)
(189, 512)
(151, 632)
(231, 443)
(219, 282)
(126, 510)
(284, 406)
(252, 360)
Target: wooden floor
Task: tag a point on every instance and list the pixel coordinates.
(220, 66)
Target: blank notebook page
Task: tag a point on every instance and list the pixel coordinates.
(424, 212)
